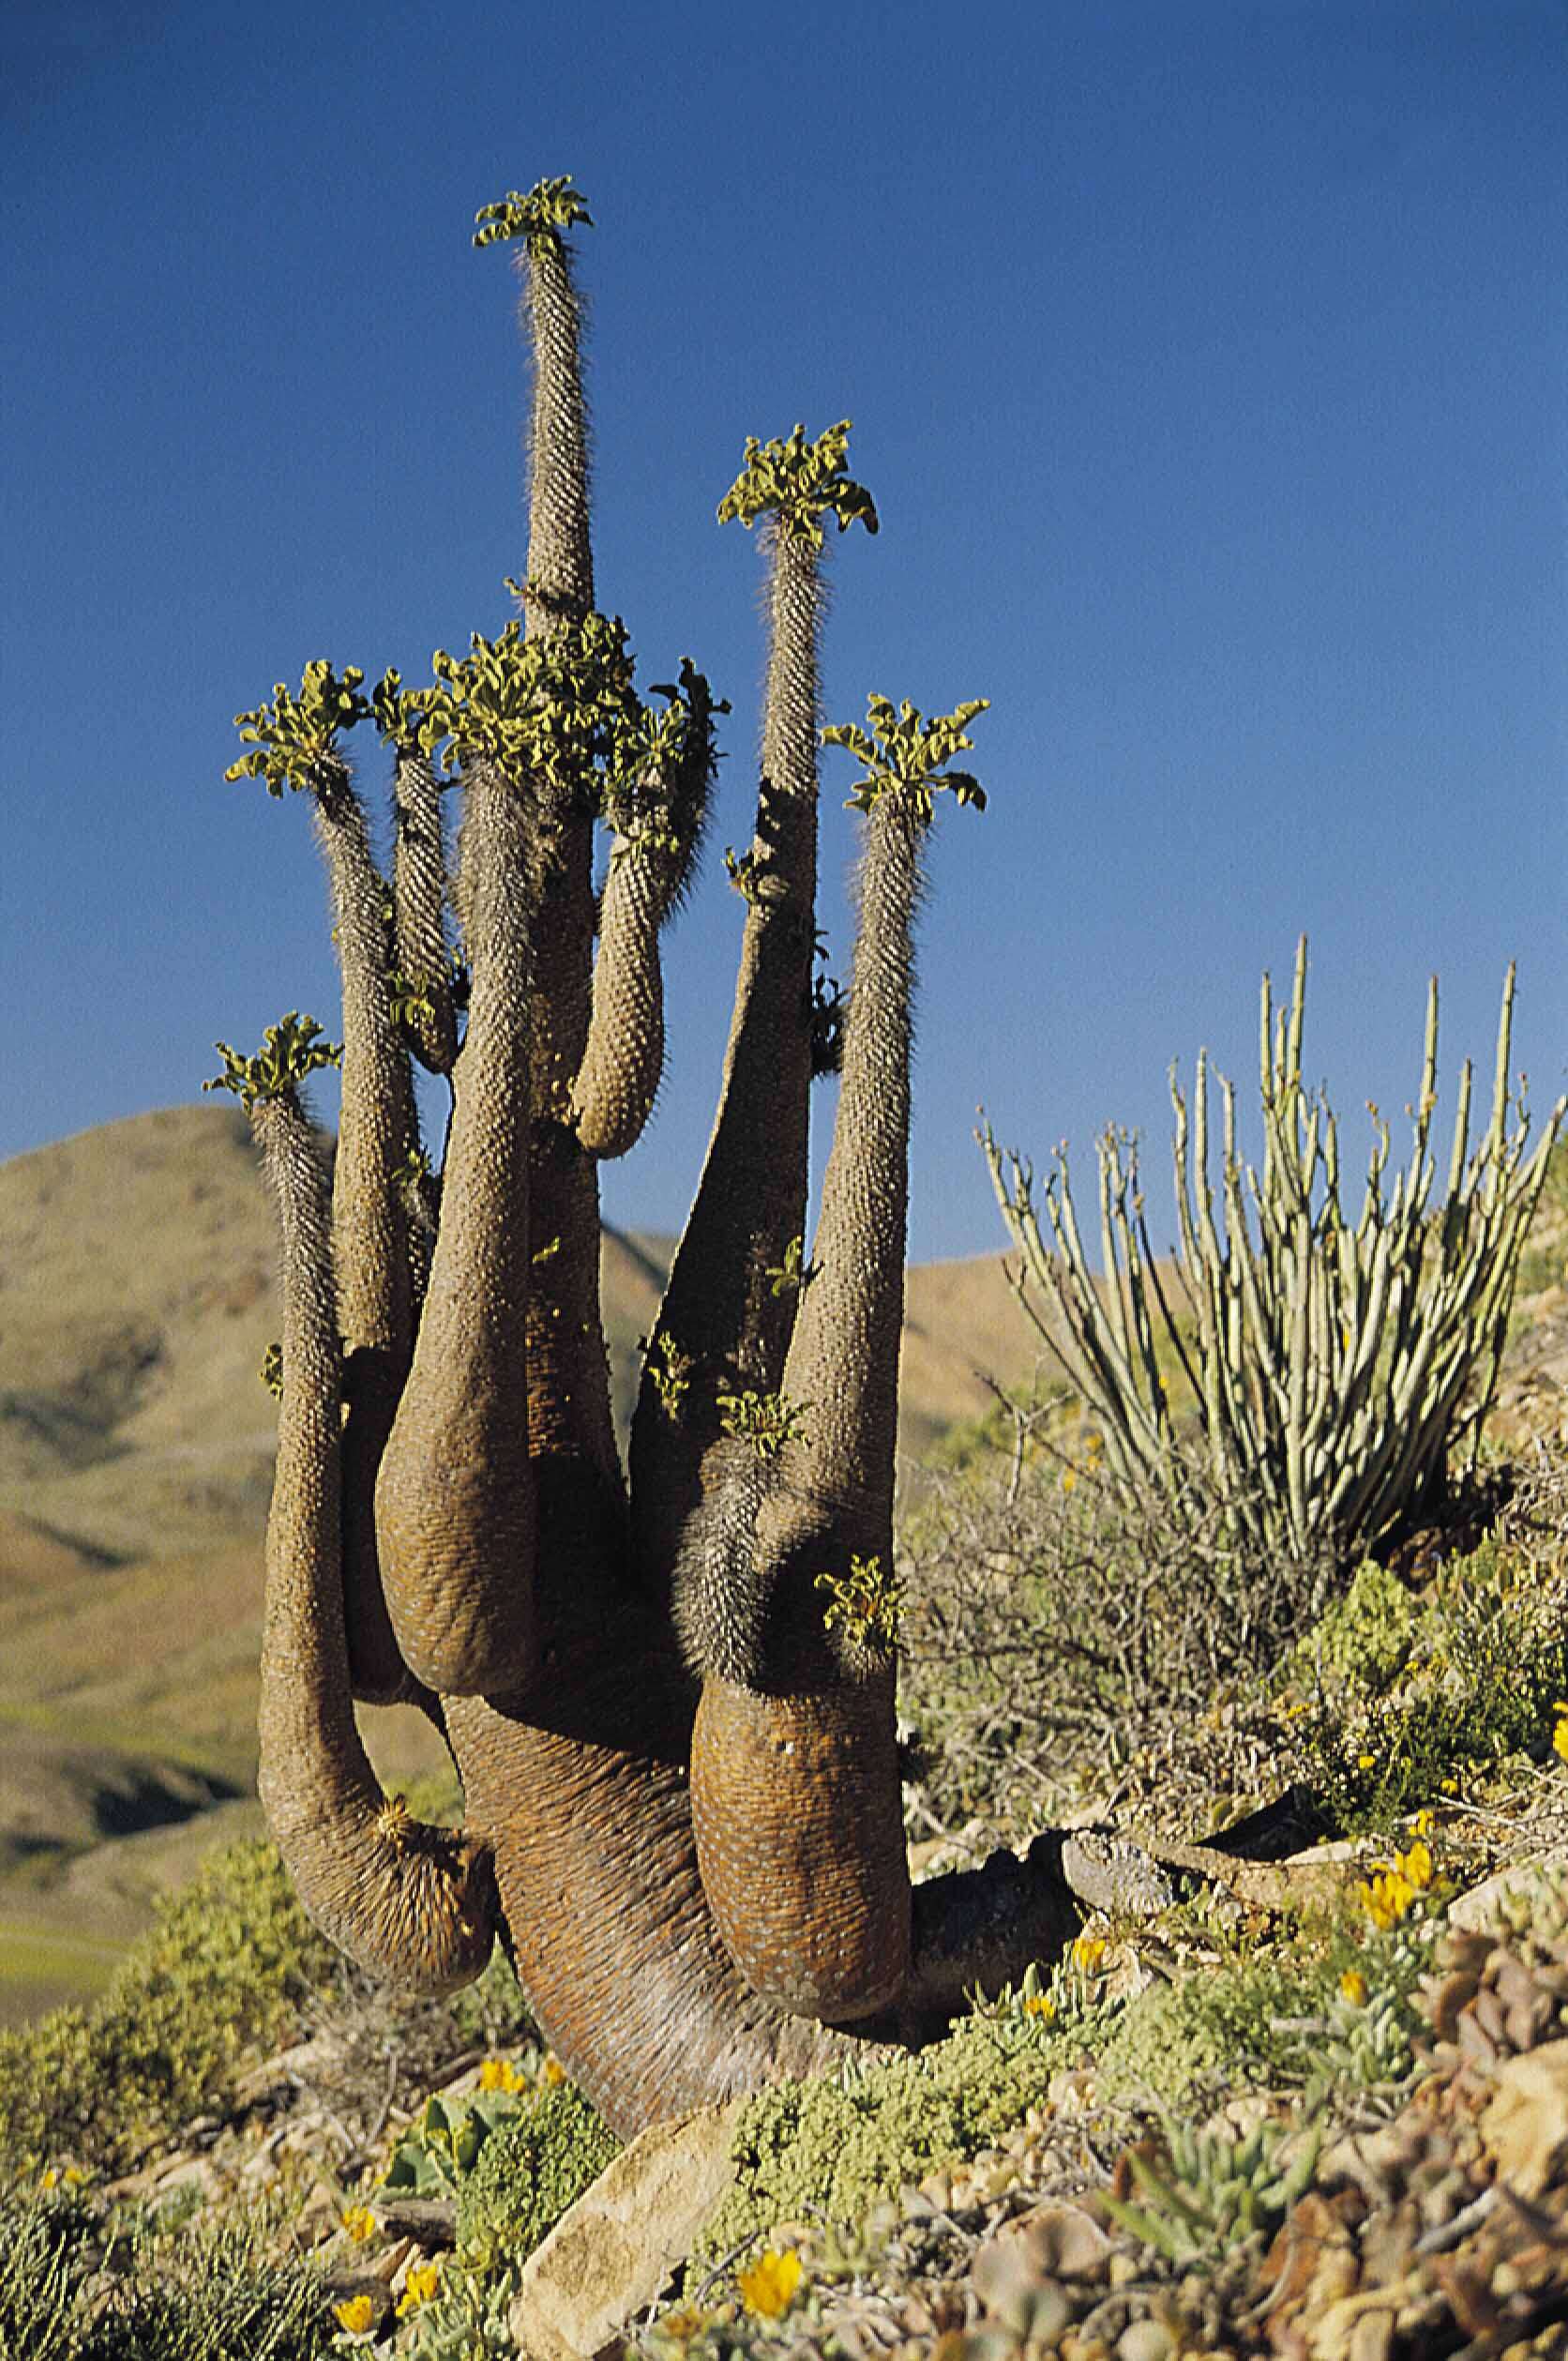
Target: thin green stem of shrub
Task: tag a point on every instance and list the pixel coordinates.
(1334, 1367)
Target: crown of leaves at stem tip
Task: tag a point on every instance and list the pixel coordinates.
(412, 719)
(291, 1050)
(798, 483)
(906, 756)
(547, 209)
(293, 740)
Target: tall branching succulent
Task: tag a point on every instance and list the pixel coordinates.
(404, 1900)
(671, 1707)
(1334, 1366)
(297, 743)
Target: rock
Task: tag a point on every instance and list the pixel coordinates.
(1479, 1907)
(1525, 2127)
(610, 2254)
(1061, 2240)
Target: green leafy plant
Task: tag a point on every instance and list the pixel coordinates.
(766, 1421)
(549, 207)
(551, 2148)
(291, 1051)
(797, 483)
(864, 1605)
(293, 740)
(906, 757)
(669, 1370)
(1215, 2192)
(222, 1974)
(794, 1273)
(432, 2157)
(1481, 1661)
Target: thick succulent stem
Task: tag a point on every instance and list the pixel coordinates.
(569, 1416)
(615, 1946)
(617, 1082)
(419, 903)
(456, 1507)
(623, 1062)
(408, 1902)
(378, 1131)
(795, 1788)
(723, 1311)
(560, 551)
(844, 1356)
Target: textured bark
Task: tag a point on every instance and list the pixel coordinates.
(408, 1902)
(571, 1432)
(456, 1506)
(796, 1780)
(560, 550)
(418, 904)
(622, 1062)
(722, 1311)
(377, 1132)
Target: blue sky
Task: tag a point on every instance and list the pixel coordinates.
(1206, 363)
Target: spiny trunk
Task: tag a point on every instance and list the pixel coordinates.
(410, 1903)
(419, 901)
(568, 1407)
(795, 1786)
(377, 1133)
(724, 1310)
(560, 550)
(456, 1507)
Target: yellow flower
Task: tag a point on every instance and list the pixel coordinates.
(1069, 1478)
(1352, 1984)
(1387, 1896)
(1422, 1824)
(1365, 1762)
(356, 2315)
(768, 2287)
(1416, 1865)
(359, 2222)
(1088, 1951)
(420, 2285)
(1559, 1737)
(51, 2179)
(551, 2070)
(1039, 2005)
(1451, 1787)
(499, 2074)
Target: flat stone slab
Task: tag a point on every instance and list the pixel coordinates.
(612, 2253)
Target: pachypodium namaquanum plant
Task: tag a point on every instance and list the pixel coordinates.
(669, 1689)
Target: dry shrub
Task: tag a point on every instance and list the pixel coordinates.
(1061, 1626)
